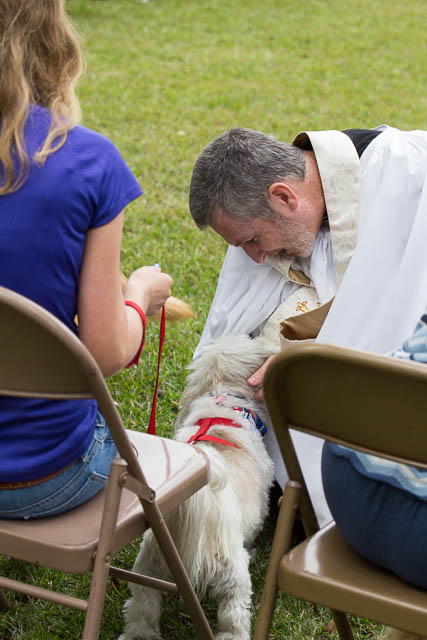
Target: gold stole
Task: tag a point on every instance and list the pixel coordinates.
(300, 316)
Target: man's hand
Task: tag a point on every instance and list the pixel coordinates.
(257, 379)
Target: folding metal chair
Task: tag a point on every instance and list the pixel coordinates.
(40, 357)
(374, 404)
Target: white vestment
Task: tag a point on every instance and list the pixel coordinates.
(371, 256)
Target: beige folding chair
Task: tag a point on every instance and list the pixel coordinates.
(373, 404)
(40, 357)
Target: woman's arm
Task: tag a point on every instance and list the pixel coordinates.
(112, 331)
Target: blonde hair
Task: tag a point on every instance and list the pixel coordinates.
(40, 64)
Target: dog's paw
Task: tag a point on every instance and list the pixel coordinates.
(136, 632)
(232, 635)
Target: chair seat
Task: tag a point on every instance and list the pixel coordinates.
(326, 570)
(174, 470)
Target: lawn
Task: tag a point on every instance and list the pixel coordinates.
(165, 77)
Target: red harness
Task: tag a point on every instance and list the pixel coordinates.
(205, 423)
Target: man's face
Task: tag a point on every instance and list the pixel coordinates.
(261, 236)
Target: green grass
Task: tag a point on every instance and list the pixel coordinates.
(162, 80)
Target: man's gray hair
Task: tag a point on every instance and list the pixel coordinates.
(233, 173)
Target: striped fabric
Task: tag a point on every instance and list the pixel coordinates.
(400, 475)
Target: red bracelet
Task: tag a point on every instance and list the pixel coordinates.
(137, 308)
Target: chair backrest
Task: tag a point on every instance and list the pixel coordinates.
(41, 358)
(368, 402)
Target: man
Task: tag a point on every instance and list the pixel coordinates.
(327, 240)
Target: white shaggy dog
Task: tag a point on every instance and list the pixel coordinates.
(215, 528)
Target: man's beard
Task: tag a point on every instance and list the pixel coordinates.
(299, 239)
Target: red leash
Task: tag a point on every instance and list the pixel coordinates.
(152, 423)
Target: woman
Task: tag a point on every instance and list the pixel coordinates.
(63, 190)
(383, 511)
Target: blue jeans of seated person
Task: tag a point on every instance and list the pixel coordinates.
(384, 524)
(75, 485)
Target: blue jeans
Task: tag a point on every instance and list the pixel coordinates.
(384, 524)
(76, 484)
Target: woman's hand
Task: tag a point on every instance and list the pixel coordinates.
(148, 287)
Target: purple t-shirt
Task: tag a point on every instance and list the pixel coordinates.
(43, 225)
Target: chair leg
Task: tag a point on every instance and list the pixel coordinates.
(342, 624)
(282, 538)
(4, 602)
(103, 553)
